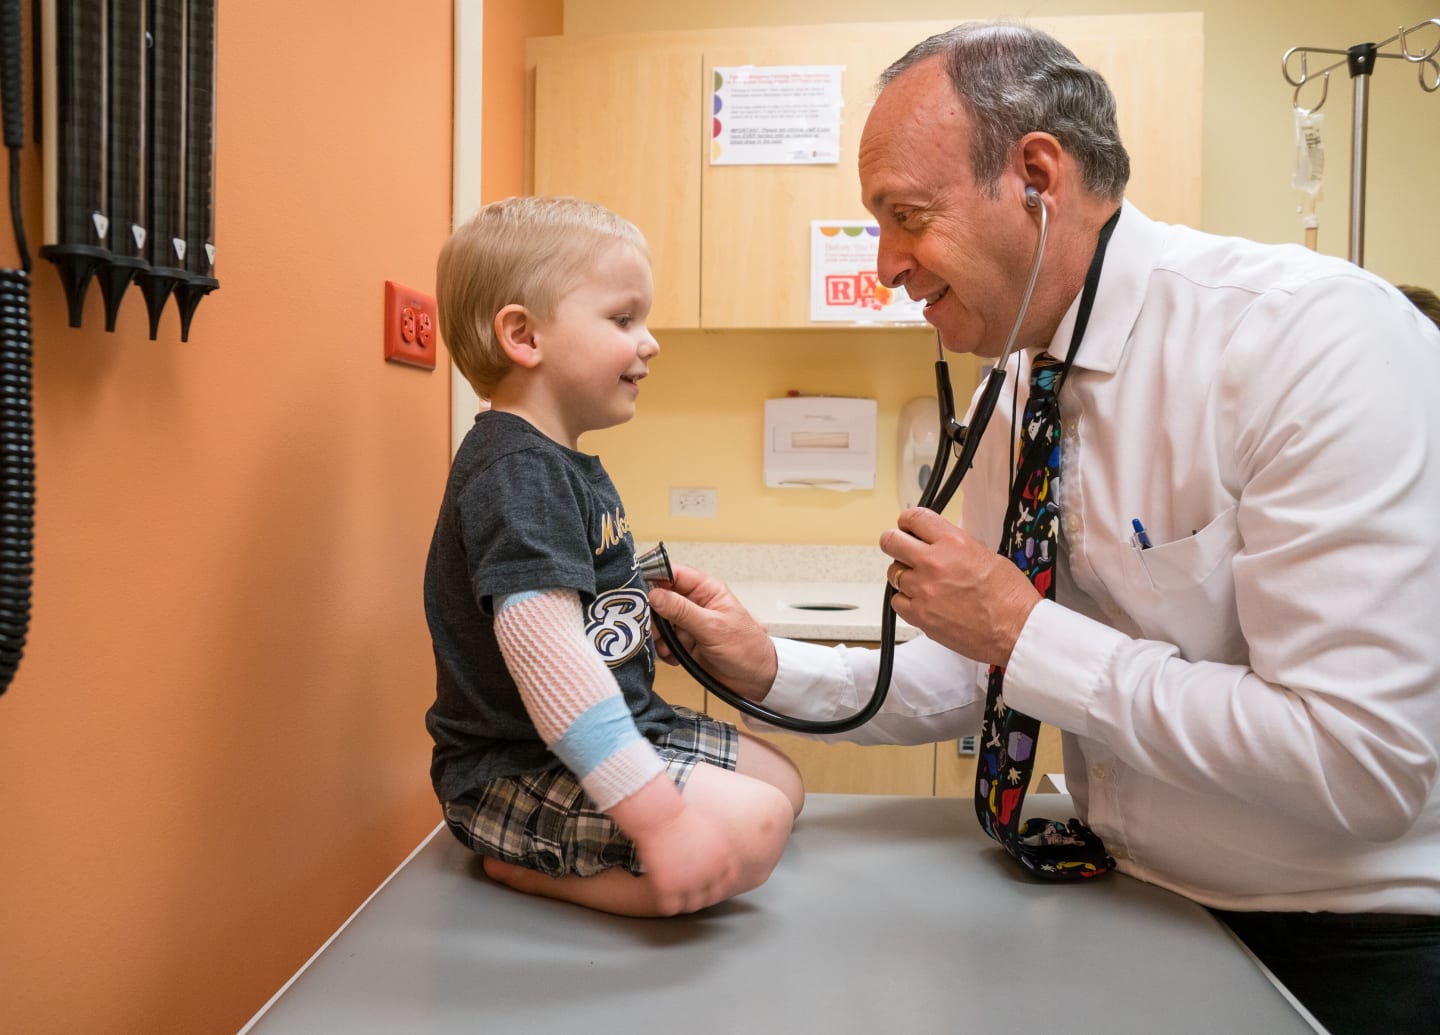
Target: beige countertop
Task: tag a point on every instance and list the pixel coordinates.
(802, 592)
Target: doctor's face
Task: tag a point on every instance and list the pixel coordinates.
(942, 238)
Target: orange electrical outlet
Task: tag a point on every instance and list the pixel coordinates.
(410, 326)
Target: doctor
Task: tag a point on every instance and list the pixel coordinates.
(1251, 703)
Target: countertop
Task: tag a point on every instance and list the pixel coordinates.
(802, 592)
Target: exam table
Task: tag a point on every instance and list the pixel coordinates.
(886, 914)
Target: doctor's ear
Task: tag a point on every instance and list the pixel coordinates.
(515, 334)
(1037, 162)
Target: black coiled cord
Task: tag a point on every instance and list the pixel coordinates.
(17, 428)
(17, 471)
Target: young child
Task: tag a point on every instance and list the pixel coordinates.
(554, 758)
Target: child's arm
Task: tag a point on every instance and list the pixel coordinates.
(581, 715)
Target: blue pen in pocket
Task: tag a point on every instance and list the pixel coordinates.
(1140, 538)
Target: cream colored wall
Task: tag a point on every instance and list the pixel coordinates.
(700, 414)
(700, 423)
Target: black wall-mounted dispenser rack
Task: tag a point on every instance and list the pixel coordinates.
(130, 152)
(125, 152)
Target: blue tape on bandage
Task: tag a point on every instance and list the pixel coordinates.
(600, 731)
(501, 603)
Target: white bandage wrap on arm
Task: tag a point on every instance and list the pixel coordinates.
(571, 695)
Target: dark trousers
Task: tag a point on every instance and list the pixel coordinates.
(1360, 973)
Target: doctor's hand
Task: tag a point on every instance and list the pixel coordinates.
(717, 630)
(955, 589)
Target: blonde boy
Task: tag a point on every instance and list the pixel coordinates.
(554, 758)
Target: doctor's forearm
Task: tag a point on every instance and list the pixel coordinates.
(934, 694)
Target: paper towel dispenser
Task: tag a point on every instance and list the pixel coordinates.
(820, 442)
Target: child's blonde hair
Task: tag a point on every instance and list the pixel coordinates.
(528, 251)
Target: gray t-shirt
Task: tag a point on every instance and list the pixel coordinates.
(522, 512)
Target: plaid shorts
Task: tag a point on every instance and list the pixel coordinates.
(545, 821)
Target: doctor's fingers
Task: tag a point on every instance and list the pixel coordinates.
(919, 531)
(955, 562)
(901, 546)
(701, 587)
(689, 619)
(713, 623)
(926, 525)
(973, 601)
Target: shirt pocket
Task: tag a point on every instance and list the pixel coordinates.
(1190, 586)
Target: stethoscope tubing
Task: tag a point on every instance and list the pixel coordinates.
(955, 439)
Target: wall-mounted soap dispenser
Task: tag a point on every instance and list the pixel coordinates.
(919, 435)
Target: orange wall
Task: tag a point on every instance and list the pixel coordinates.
(507, 26)
(214, 747)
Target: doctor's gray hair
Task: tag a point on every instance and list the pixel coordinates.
(1014, 80)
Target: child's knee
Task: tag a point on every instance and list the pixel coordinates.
(792, 785)
(764, 761)
(773, 820)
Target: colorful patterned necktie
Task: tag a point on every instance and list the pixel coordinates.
(1049, 849)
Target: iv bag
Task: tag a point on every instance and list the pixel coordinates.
(1309, 152)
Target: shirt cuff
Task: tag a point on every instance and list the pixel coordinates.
(812, 681)
(1058, 664)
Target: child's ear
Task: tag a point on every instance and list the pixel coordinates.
(515, 331)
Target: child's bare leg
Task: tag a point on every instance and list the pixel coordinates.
(616, 890)
(756, 816)
(764, 761)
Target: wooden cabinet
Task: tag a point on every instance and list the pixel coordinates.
(755, 219)
(617, 125)
(625, 120)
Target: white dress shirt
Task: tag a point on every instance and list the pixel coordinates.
(1251, 707)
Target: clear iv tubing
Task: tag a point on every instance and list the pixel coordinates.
(939, 490)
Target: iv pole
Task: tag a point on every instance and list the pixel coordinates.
(1360, 61)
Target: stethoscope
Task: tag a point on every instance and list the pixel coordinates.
(955, 438)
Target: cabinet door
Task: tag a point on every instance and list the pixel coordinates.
(756, 218)
(617, 124)
(625, 120)
(756, 221)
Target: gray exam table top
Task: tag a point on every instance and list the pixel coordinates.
(886, 914)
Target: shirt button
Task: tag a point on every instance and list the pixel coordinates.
(1069, 424)
(1099, 771)
(1072, 522)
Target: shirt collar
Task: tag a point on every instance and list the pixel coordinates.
(1132, 253)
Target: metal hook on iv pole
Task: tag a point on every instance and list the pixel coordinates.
(654, 566)
(1361, 60)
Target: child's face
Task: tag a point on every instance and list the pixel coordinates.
(596, 348)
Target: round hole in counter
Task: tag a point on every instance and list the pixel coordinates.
(825, 607)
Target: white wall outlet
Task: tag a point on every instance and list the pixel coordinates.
(967, 745)
(695, 503)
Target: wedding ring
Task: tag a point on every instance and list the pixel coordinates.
(899, 574)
